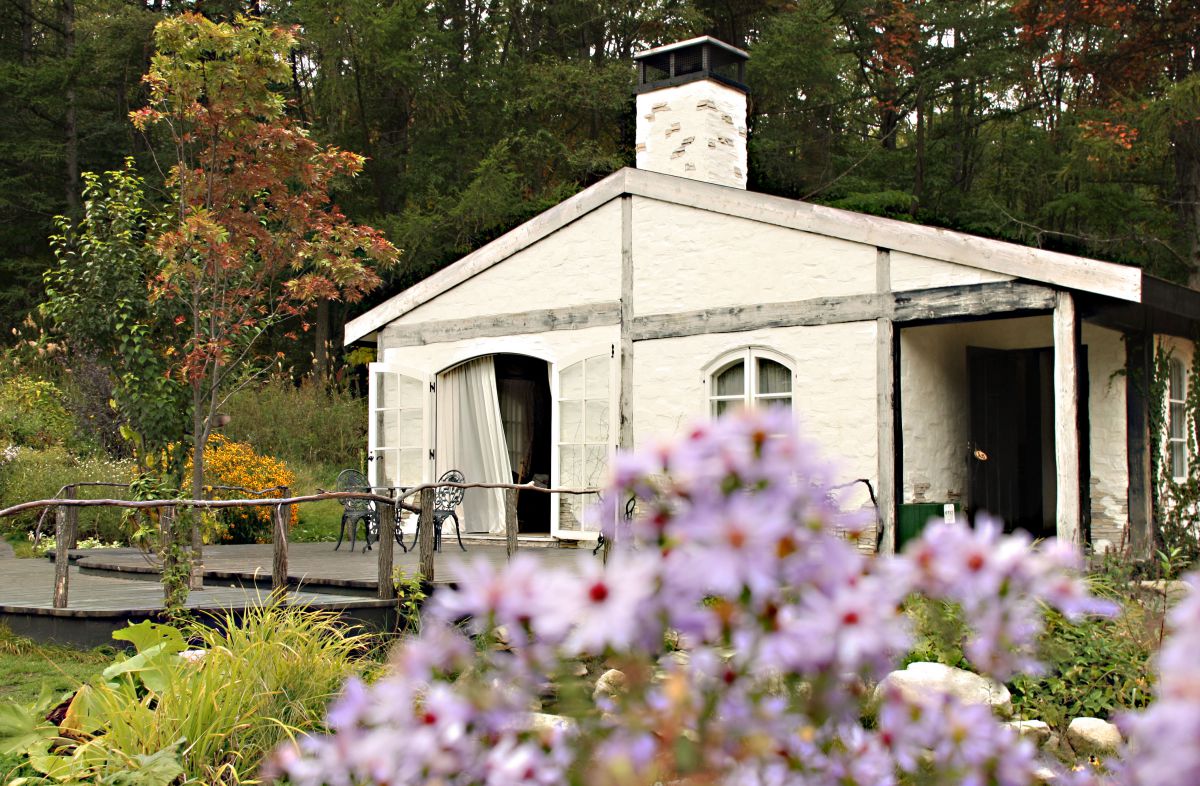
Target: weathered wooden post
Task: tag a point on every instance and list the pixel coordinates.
(281, 517)
(387, 541)
(510, 522)
(425, 542)
(63, 538)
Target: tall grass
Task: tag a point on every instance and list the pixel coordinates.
(267, 677)
(310, 423)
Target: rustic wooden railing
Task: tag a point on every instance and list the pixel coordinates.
(67, 505)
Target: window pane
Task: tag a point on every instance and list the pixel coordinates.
(773, 377)
(597, 377)
(1178, 460)
(783, 402)
(570, 472)
(386, 389)
(596, 421)
(410, 390)
(387, 428)
(595, 465)
(731, 381)
(570, 382)
(570, 422)
(1177, 377)
(388, 467)
(721, 407)
(410, 428)
(410, 467)
(1177, 421)
(570, 512)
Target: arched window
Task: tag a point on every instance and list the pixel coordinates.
(751, 377)
(1177, 419)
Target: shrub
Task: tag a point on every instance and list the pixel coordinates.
(309, 423)
(32, 413)
(39, 474)
(229, 463)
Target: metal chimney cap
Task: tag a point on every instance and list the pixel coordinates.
(704, 39)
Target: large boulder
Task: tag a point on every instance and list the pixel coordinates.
(1036, 731)
(1093, 737)
(610, 685)
(922, 679)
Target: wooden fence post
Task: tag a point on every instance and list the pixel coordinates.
(510, 522)
(387, 541)
(281, 517)
(63, 538)
(425, 542)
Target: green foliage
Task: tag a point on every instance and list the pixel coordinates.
(938, 632)
(1095, 668)
(40, 474)
(410, 595)
(310, 423)
(32, 413)
(160, 717)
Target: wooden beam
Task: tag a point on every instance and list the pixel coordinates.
(625, 402)
(63, 538)
(734, 319)
(280, 518)
(480, 260)
(510, 522)
(425, 536)
(1066, 419)
(1139, 374)
(885, 409)
(972, 300)
(517, 323)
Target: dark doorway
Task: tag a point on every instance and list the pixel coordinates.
(1011, 464)
(523, 387)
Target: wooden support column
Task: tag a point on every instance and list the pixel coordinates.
(625, 403)
(1139, 376)
(63, 539)
(1066, 419)
(885, 402)
(386, 544)
(510, 522)
(281, 517)
(425, 540)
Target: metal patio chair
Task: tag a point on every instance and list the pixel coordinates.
(445, 500)
(356, 510)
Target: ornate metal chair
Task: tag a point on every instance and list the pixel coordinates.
(356, 510)
(445, 500)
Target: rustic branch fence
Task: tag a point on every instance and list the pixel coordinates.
(68, 503)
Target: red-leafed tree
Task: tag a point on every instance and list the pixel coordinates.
(1132, 69)
(254, 238)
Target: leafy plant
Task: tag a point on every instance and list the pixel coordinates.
(236, 464)
(210, 718)
(32, 413)
(410, 594)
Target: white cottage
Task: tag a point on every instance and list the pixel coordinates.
(938, 367)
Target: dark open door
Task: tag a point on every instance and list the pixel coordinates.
(1010, 426)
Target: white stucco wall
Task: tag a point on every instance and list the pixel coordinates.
(936, 409)
(833, 389)
(578, 264)
(686, 258)
(695, 130)
(909, 271)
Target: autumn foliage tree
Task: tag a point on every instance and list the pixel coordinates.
(253, 238)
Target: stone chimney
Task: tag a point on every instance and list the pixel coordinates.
(691, 111)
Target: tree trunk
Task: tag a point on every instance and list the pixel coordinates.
(70, 131)
(199, 438)
(321, 340)
(919, 171)
(26, 11)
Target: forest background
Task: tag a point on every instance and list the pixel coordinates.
(1067, 124)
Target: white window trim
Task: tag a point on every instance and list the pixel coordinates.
(1178, 474)
(747, 356)
(614, 392)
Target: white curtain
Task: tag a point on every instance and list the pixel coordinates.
(470, 438)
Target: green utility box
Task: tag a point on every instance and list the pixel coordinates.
(911, 519)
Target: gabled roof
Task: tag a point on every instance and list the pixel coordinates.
(1062, 270)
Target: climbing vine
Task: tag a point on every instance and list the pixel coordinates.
(1176, 501)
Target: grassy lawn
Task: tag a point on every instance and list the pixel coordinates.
(26, 665)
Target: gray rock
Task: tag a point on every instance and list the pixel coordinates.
(1036, 731)
(537, 721)
(579, 669)
(1093, 737)
(610, 684)
(922, 679)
